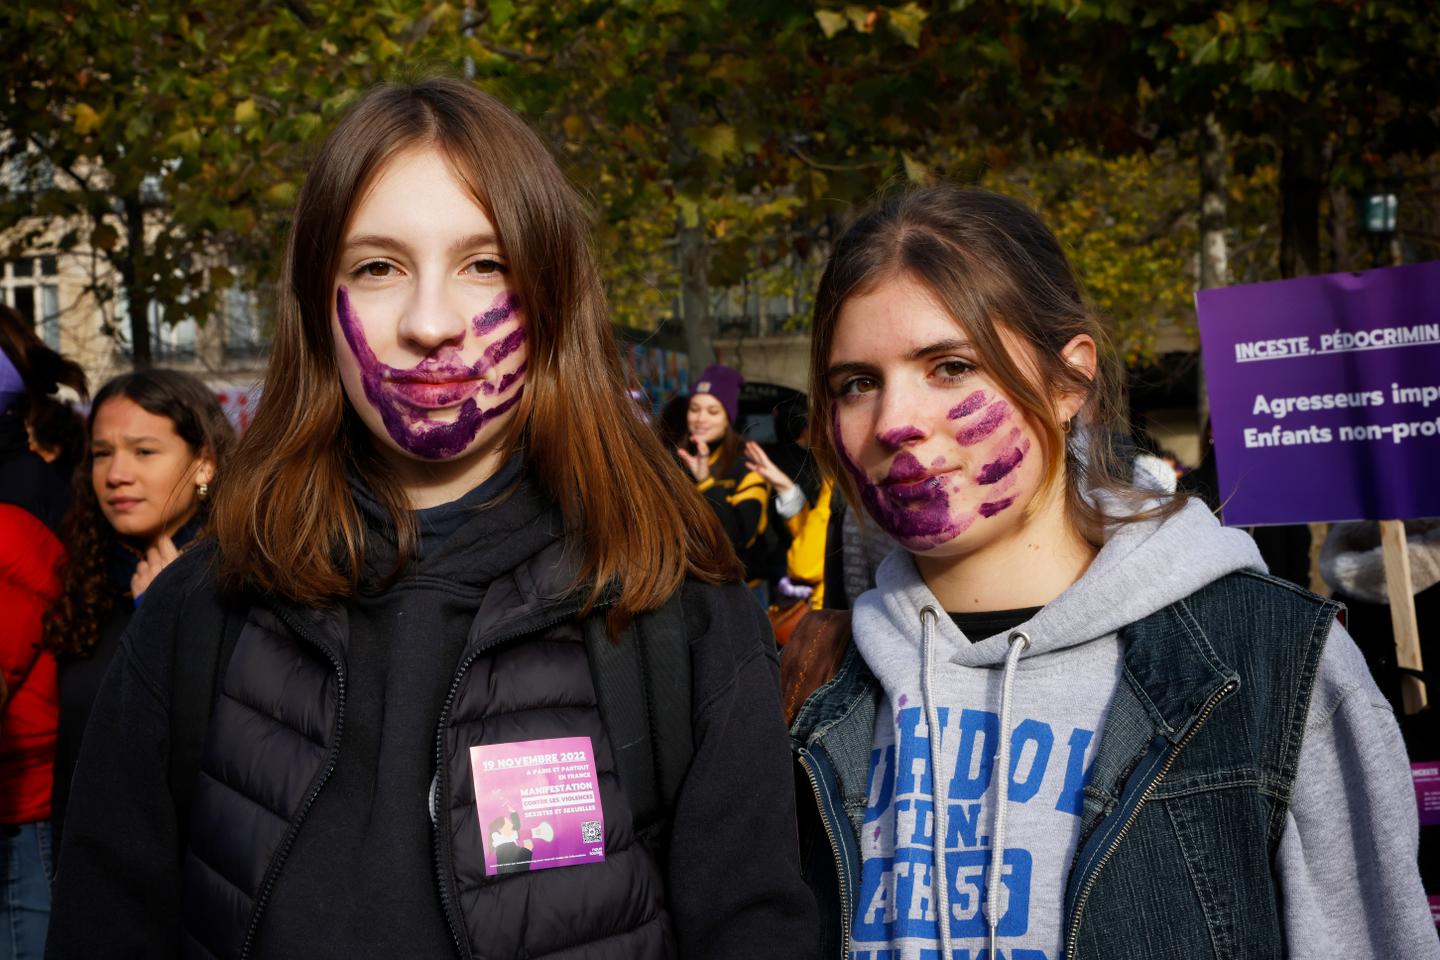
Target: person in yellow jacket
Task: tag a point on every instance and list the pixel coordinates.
(738, 494)
(807, 522)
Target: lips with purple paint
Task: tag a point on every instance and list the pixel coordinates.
(432, 389)
(909, 481)
(404, 397)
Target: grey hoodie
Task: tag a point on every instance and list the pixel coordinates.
(1347, 859)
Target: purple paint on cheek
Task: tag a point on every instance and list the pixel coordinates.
(994, 415)
(497, 352)
(968, 406)
(995, 506)
(496, 315)
(409, 426)
(900, 435)
(921, 518)
(997, 469)
(490, 389)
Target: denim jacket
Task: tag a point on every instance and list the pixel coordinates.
(1186, 798)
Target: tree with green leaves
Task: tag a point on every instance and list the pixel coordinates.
(170, 139)
(747, 134)
(667, 114)
(1329, 91)
(722, 145)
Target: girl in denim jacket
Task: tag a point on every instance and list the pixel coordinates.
(1077, 718)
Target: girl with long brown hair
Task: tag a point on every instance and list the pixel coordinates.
(156, 447)
(1077, 719)
(443, 533)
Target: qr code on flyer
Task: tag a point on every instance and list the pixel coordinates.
(590, 831)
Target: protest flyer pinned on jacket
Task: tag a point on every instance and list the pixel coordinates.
(539, 804)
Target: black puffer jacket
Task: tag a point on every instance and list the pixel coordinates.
(731, 887)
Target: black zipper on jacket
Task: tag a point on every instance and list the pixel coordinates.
(278, 860)
(842, 874)
(443, 876)
(1073, 936)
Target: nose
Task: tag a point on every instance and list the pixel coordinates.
(117, 472)
(432, 319)
(898, 423)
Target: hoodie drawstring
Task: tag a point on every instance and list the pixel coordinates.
(939, 882)
(1018, 641)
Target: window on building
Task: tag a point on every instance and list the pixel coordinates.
(244, 326)
(23, 299)
(50, 315)
(167, 343)
(171, 341)
(36, 300)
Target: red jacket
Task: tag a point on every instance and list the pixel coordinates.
(30, 554)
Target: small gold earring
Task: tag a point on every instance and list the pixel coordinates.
(202, 490)
(1066, 428)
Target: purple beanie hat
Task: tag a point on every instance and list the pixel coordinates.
(12, 385)
(723, 383)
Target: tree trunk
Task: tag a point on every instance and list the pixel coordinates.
(1214, 172)
(1214, 242)
(691, 249)
(1300, 189)
(695, 297)
(137, 295)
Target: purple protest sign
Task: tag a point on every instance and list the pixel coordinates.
(1325, 396)
(539, 804)
(1427, 792)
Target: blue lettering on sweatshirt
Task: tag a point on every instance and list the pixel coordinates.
(897, 900)
(1027, 732)
(882, 779)
(1071, 793)
(979, 729)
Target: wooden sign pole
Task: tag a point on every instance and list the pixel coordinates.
(1402, 611)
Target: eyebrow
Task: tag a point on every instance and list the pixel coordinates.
(845, 369)
(953, 345)
(145, 439)
(483, 239)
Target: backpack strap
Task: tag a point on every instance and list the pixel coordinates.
(199, 662)
(642, 687)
